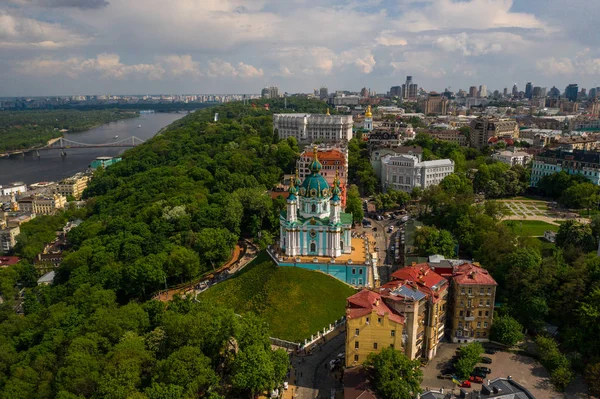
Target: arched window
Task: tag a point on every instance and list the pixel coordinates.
(313, 247)
(314, 208)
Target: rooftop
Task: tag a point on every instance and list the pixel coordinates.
(469, 273)
(8, 261)
(365, 302)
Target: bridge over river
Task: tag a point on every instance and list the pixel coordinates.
(63, 144)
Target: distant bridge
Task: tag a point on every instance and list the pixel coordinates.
(63, 144)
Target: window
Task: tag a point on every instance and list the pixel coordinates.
(470, 290)
(313, 208)
(367, 320)
(356, 358)
(481, 302)
(487, 313)
(460, 313)
(480, 313)
(379, 320)
(477, 334)
(357, 332)
(313, 247)
(485, 333)
(485, 324)
(393, 333)
(481, 291)
(462, 303)
(462, 290)
(355, 344)
(469, 303)
(342, 245)
(487, 303)
(478, 324)
(459, 333)
(353, 271)
(460, 324)
(360, 271)
(392, 346)
(489, 291)
(374, 345)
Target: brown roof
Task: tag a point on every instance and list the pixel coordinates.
(365, 302)
(356, 384)
(468, 273)
(426, 280)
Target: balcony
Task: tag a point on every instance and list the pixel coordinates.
(470, 318)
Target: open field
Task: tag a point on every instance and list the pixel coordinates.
(295, 302)
(531, 228)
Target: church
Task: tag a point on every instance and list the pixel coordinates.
(313, 223)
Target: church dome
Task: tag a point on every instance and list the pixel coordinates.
(368, 114)
(315, 185)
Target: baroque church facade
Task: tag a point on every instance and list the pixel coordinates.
(314, 223)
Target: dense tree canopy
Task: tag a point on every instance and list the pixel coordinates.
(394, 375)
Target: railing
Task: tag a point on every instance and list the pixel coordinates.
(470, 318)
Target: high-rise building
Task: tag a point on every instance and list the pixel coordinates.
(473, 91)
(270, 92)
(554, 92)
(435, 104)
(505, 92)
(413, 89)
(406, 87)
(323, 93)
(582, 95)
(571, 92)
(537, 92)
(364, 92)
(482, 91)
(593, 93)
(396, 91)
(484, 128)
(528, 90)
(515, 91)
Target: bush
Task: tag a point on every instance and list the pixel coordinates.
(561, 378)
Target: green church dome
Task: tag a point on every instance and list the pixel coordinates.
(315, 185)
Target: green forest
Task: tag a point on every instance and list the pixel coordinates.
(26, 129)
(171, 210)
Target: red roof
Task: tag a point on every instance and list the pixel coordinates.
(8, 260)
(468, 273)
(427, 281)
(365, 302)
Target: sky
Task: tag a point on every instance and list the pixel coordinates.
(68, 47)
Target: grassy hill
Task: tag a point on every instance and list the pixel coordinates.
(296, 302)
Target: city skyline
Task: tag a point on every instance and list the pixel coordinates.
(66, 47)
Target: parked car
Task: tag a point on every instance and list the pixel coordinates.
(285, 385)
(465, 384)
(445, 376)
(476, 379)
(485, 370)
(486, 360)
(478, 374)
(449, 370)
(374, 228)
(490, 351)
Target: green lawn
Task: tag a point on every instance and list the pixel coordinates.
(295, 302)
(531, 227)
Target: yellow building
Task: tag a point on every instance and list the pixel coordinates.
(473, 294)
(370, 326)
(73, 186)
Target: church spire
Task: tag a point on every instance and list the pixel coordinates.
(315, 165)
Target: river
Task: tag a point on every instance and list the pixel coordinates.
(50, 166)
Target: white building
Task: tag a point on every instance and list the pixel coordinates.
(405, 172)
(310, 128)
(512, 158)
(13, 188)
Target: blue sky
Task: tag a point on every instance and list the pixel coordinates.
(56, 47)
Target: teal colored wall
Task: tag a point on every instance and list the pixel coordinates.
(341, 272)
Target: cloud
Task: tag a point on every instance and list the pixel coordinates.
(387, 38)
(18, 32)
(62, 3)
(220, 68)
(582, 64)
(471, 14)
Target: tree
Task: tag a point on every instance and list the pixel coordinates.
(506, 330)
(572, 233)
(188, 368)
(253, 370)
(592, 378)
(215, 245)
(469, 357)
(430, 241)
(394, 375)
(354, 204)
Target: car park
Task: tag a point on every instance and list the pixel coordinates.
(445, 376)
(485, 370)
(476, 379)
(465, 384)
(486, 360)
(478, 374)
(490, 351)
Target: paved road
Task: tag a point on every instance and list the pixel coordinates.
(313, 378)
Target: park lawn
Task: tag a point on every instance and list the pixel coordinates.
(531, 228)
(295, 302)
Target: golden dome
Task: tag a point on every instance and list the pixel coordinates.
(368, 114)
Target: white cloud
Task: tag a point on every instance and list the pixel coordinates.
(471, 14)
(220, 68)
(583, 64)
(388, 38)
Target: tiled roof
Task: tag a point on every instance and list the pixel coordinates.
(327, 154)
(365, 302)
(426, 280)
(8, 260)
(468, 273)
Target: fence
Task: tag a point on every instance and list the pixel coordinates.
(314, 339)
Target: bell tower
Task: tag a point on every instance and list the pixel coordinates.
(368, 125)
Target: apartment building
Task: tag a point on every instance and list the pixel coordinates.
(473, 295)
(310, 128)
(42, 204)
(405, 172)
(484, 128)
(384, 138)
(586, 163)
(8, 237)
(435, 104)
(73, 186)
(379, 152)
(512, 158)
(370, 326)
(452, 136)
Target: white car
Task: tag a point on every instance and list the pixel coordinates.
(285, 385)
